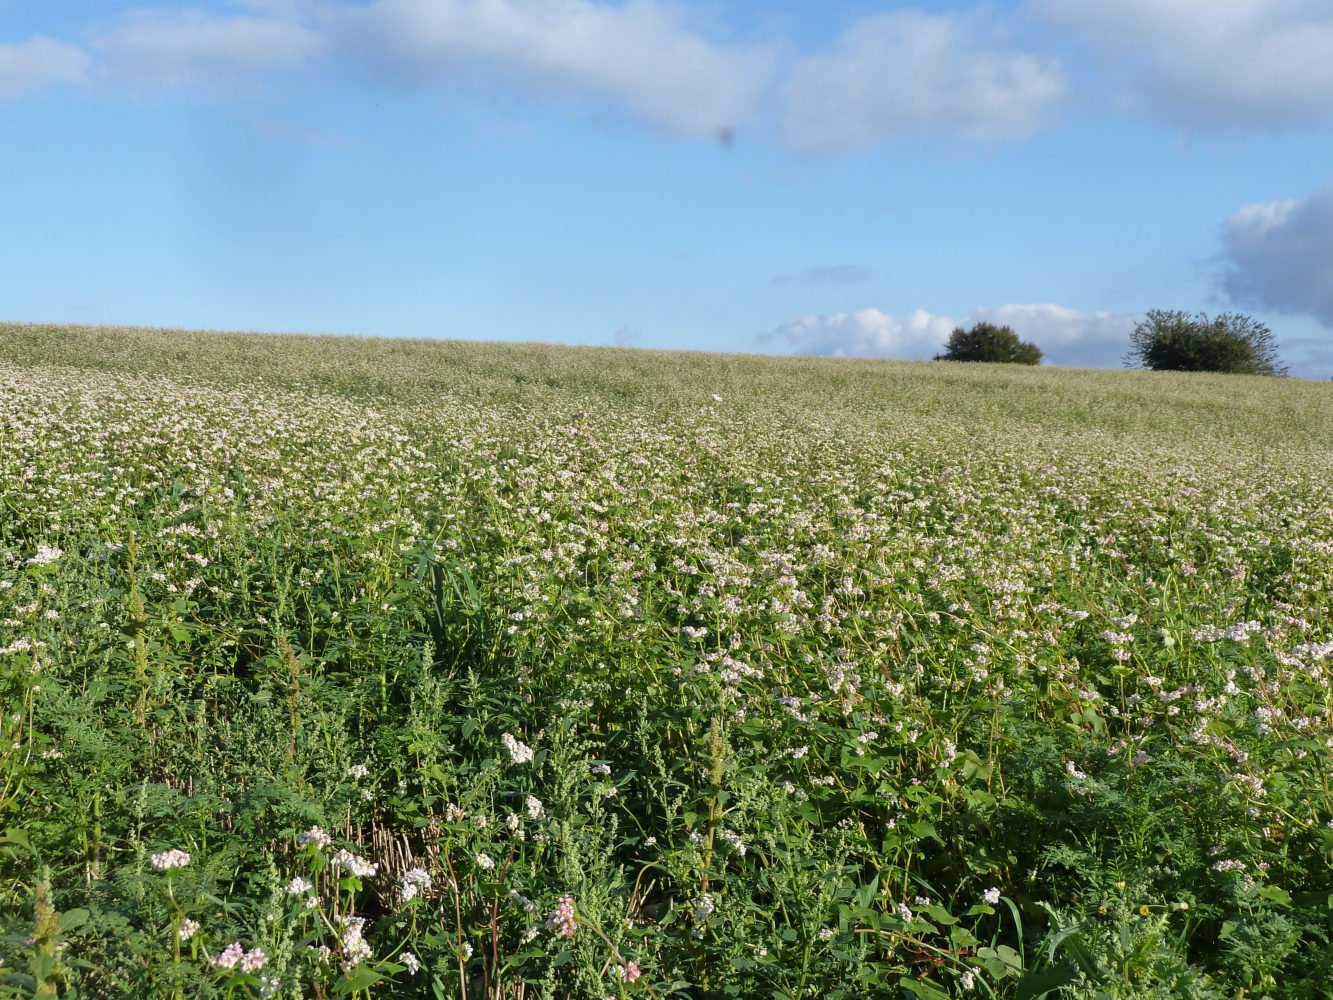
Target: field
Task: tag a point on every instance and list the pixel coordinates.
(336, 667)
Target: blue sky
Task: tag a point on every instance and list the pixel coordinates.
(791, 177)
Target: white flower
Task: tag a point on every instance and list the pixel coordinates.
(314, 836)
(734, 839)
(297, 886)
(485, 861)
(991, 896)
(188, 929)
(519, 753)
(354, 947)
(410, 962)
(534, 807)
(46, 554)
(414, 881)
(358, 771)
(704, 909)
(353, 863)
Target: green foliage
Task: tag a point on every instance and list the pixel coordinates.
(988, 342)
(904, 681)
(1229, 343)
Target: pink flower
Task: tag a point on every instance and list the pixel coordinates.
(253, 960)
(561, 921)
(630, 971)
(229, 957)
(168, 860)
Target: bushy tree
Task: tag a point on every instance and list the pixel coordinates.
(1172, 340)
(988, 342)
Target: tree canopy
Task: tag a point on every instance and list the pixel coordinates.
(1172, 340)
(988, 342)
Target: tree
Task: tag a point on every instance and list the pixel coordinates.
(1172, 340)
(988, 342)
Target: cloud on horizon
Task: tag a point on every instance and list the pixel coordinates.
(1280, 256)
(1212, 63)
(867, 333)
(909, 72)
(1066, 336)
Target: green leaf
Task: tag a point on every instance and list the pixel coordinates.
(939, 914)
(362, 978)
(71, 919)
(1001, 961)
(1275, 894)
(925, 989)
(925, 831)
(1037, 984)
(42, 966)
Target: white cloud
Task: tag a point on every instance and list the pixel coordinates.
(637, 57)
(170, 48)
(1281, 256)
(1066, 336)
(868, 333)
(1215, 62)
(908, 71)
(38, 64)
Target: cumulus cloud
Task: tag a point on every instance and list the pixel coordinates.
(171, 48)
(1215, 62)
(868, 333)
(908, 71)
(39, 64)
(1066, 336)
(1281, 256)
(639, 57)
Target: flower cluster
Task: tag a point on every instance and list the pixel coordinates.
(519, 752)
(413, 882)
(314, 837)
(168, 860)
(352, 941)
(353, 864)
(235, 956)
(561, 921)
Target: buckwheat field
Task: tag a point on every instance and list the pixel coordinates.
(343, 668)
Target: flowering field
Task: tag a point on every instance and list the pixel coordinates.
(336, 668)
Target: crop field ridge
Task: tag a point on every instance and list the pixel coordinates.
(339, 667)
